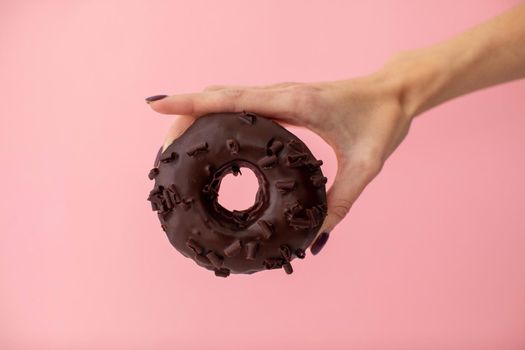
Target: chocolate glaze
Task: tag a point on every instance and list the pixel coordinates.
(290, 204)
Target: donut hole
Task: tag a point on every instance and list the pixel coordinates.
(238, 192)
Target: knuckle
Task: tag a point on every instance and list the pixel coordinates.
(233, 93)
(340, 208)
(303, 90)
(369, 165)
(234, 98)
(304, 97)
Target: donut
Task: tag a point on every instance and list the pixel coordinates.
(290, 204)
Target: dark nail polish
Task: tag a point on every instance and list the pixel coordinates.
(319, 243)
(157, 159)
(155, 98)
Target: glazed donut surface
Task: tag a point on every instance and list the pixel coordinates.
(290, 203)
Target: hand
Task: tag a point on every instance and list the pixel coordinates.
(362, 119)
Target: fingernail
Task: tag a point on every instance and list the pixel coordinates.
(157, 159)
(319, 243)
(155, 98)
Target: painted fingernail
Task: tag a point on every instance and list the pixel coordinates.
(157, 159)
(319, 243)
(155, 98)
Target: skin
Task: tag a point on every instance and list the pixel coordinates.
(365, 118)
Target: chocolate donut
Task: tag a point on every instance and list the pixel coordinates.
(290, 203)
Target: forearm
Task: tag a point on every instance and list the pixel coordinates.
(488, 54)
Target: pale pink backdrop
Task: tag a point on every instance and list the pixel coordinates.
(430, 257)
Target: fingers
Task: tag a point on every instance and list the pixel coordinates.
(180, 125)
(183, 122)
(223, 98)
(271, 86)
(222, 87)
(350, 181)
(261, 101)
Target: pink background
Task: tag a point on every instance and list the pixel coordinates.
(430, 257)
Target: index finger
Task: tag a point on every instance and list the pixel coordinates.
(264, 102)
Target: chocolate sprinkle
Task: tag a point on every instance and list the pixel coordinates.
(296, 159)
(273, 263)
(236, 170)
(187, 202)
(223, 272)
(275, 147)
(202, 259)
(251, 250)
(170, 158)
(167, 200)
(300, 253)
(314, 215)
(233, 249)
(288, 268)
(153, 173)
(285, 186)
(248, 118)
(292, 209)
(216, 260)
(318, 180)
(266, 228)
(286, 252)
(193, 245)
(300, 223)
(296, 145)
(314, 164)
(233, 146)
(174, 194)
(198, 148)
(157, 199)
(268, 161)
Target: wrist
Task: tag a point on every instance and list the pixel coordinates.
(419, 79)
(429, 76)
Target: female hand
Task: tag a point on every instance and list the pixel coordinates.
(364, 119)
(361, 119)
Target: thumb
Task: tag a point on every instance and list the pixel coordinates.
(180, 124)
(350, 180)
